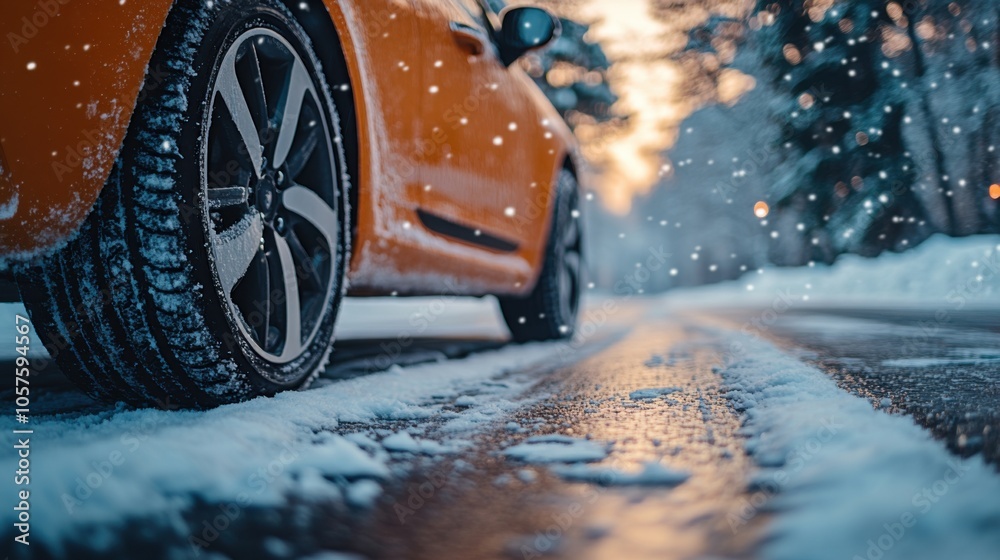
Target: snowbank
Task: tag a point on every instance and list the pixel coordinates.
(942, 272)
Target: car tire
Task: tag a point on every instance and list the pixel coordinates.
(166, 297)
(550, 311)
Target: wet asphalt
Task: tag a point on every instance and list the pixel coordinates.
(941, 367)
(943, 372)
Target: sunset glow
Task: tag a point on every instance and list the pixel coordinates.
(649, 84)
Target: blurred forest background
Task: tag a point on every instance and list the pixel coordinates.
(865, 126)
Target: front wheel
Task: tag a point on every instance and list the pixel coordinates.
(550, 311)
(212, 267)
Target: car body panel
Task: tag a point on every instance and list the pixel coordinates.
(488, 161)
(63, 120)
(390, 55)
(393, 251)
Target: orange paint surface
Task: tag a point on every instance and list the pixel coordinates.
(441, 128)
(70, 76)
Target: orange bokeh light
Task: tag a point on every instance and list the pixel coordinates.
(761, 209)
(995, 191)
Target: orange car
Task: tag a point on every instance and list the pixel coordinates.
(189, 187)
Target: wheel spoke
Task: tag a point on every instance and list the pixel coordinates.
(236, 248)
(229, 88)
(256, 94)
(224, 197)
(292, 316)
(569, 281)
(305, 261)
(290, 107)
(571, 234)
(315, 210)
(571, 260)
(262, 275)
(565, 295)
(298, 159)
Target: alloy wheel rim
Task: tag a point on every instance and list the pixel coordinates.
(269, 182)
(570, 268)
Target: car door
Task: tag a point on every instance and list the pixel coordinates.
(477, 132)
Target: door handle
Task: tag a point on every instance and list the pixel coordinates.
(469, 38)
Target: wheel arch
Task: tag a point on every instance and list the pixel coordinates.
(571, 164)
(315, 18)
(65, 111)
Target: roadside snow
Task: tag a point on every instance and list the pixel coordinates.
(941, 272)
(335, 455)
(405, 443)
(848, 480)
(652, 474)
(557, 449)
(649, 394)
(416, 317)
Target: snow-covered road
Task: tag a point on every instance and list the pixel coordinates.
(670, 431)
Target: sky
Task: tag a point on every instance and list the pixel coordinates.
(645, 83)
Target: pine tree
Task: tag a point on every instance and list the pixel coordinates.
(953, 69)
(587, 92)
(846, 172)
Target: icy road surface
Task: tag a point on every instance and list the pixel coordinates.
(668, 431)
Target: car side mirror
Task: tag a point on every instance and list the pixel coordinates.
(525, 29)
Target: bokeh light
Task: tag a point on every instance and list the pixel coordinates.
(761, 209)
